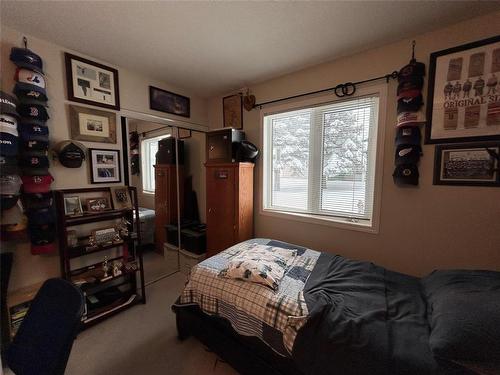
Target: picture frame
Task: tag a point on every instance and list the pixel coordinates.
(73, 206)
(468, 164)
(89, 82)
(169, 102)
(463, 102)
(92, 125)
(121, 197)
(104, 166)
(97, 204)
(232, 106)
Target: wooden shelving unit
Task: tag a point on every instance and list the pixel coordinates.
(104, 296)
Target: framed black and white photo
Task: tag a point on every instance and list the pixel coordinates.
(464, 93)
(121, 197)
(92, 125)
(169, 102)
(73, 206)
(92, 83)
(232, 107)
(470, 164)
(104, 166)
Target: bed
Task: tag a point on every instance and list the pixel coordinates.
(332, 315)
(147, 225)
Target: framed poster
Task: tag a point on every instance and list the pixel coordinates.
(104, 166)
(464, 95)
(233, 111)
(470, 164)
(92, 83)
(92, 125)
(168, 102)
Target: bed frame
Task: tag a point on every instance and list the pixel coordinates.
(247, 355)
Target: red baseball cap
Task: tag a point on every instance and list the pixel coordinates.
(42, 249)
(37, 184)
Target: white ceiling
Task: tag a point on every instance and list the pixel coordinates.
(211, 48)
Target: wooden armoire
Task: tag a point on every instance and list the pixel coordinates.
(166, 200)
(229, 204)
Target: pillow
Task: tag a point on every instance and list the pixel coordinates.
(464, 315)
(260, 264)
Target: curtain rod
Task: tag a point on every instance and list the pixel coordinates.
(341, 90)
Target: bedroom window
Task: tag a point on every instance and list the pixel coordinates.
(149, 147)
(320, 161)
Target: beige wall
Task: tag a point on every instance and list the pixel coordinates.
(421, 228)
(134, 96)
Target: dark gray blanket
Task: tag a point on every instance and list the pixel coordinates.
(364, 319)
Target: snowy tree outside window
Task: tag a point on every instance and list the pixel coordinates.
(321, 160)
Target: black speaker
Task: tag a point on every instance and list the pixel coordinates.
(247, 151)
(166, 151)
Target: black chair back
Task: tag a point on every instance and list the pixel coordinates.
(43, 342)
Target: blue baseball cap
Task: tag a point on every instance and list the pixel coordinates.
(30, 80)
(26, 94)
(8, 104)
(8, 144)
(34, 132)
(33, 111)
(25, 58)
(41, 216)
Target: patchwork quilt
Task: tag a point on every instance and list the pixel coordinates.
(253, 309)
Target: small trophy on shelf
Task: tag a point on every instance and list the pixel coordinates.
(105, 267)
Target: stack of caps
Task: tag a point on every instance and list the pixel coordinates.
(410, 117)
(33, 148)
(13, 221)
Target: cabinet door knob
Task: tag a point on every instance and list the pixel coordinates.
(209, 210)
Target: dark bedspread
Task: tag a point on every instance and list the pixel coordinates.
(365, 319)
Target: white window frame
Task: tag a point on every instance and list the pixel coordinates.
(372, 226)
(147, 169)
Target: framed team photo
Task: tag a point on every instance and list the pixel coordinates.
(464, 93)
(104, 166)
(92, 83)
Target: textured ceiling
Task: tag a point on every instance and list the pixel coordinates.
(213, 47)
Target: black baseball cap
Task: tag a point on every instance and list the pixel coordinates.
(31, 131)
(408, 135)
(8, 104)
(34, 145)
(8, 165)
(406, 175)
(71, 154)
(8, 201)
(25, 58)
(414, 68)
(410, 104)
(33, 111)
(41, 216)
(410, 87)
(34, 164)
(407, 154)
(8, 144)
(28, 95)
(38, 200)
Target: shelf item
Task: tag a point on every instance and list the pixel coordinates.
(99, 280)
(229, 205)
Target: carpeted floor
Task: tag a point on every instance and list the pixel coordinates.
(142, 340)
(155, 266)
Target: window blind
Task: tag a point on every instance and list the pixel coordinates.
(321, 160)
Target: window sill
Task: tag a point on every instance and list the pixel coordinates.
(148, 192)
(369, 227)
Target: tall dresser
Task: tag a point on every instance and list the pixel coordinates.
(166, 200)
(229, 204)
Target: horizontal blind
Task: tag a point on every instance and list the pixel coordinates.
(321, 160)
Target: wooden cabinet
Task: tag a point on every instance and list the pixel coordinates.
(229, 205)
(166, 200)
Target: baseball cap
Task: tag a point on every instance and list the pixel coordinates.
(34, 145)
(42, 238)
(36, 132)
(8, 201)
(406, 175)
(10, 184)
(8, 144)
(35, 164)
(410, 87)
(40, 216)
(25, 58)
(13, 215)
(408, 135)
(407, 154)
(33, 111)
(38, 200)
(410, 104)
(37, 184)
(414, 68)
(30, 80)
(8, 104)
(27, 95)
(411, 119)
(8, 124)
(71, 154)
(8, 165)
